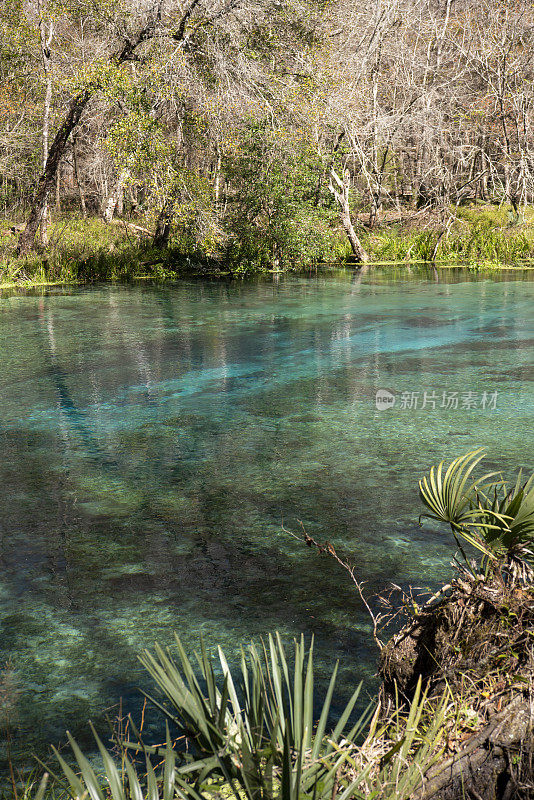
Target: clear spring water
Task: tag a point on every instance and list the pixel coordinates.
(156, 441)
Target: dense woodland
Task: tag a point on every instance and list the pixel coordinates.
(262, 131)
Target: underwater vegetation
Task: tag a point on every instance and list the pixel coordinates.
(452, 712)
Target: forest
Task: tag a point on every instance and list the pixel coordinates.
(256, 134)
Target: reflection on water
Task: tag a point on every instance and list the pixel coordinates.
(155, 441)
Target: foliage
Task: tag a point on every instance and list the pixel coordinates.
(272, 727)
(495, 518)
(286, 82)
(83, 250)
(297, 235)
(473, 636)
(274, 218)
(486, 243)
(390, 245)
(476, 238)
(254, 737)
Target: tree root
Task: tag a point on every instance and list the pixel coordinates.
(477, 644)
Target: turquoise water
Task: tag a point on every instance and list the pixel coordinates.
(157, 441)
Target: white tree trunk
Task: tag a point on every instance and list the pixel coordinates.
(78, 178)
(341, 193)
(113, 199)
(45, 39)
(217, 181)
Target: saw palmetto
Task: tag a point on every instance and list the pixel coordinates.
(496, 520)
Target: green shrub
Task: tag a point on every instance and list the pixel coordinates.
(274, 218)
(253, 736)
(495, 518)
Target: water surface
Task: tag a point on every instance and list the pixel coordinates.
(158, 443)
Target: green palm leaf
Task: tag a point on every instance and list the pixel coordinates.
(498, 522)
(261, 758)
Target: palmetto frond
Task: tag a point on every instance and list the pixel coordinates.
(248, 726)
(512, 516)
(256, 737)
(496, 520)
(449, 494)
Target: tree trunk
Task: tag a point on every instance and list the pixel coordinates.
(58, 191)
(78, 179)
(45, 40)
(115, 197)
(76, 108)
(375, 178)
(356, 245)
(46, 181)
(119, 208)
(217, 181)
(163, 224)
(341, 193)
(481, 768)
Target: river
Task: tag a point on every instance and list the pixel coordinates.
(160, 443)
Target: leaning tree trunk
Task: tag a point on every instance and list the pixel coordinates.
(341, 193)
(495, 762)
(46, 181)
(76, 108)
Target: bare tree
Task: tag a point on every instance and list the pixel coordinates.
(45, 41)
(77, 106)
(340, 189)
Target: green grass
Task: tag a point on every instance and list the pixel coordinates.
(82, 250)
(482, 236)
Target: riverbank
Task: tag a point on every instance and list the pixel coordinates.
(86, 250)
(472, 646)
(453, 717)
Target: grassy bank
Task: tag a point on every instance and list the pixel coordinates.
(80, 250)
(477, 235)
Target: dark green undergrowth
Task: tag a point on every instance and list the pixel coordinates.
(82, 250)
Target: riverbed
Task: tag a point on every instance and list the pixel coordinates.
(160, 443)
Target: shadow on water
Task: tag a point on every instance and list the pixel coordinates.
(156, 441)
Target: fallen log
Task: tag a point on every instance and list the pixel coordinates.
(483, 767)
(138, 228)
